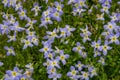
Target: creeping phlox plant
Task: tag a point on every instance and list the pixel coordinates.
(60, 39)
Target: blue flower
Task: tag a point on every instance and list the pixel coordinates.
(36, 8)
(27, 43)
(30, 23)
(114, 38)
(47, 47)
(85, 75)
(78, 48)
(73, 73)
(96, 53)
(22, 14)
(105, 47)
(69, 30)
(9, 50)
(12, 38)
(97, 45)
(55, 76)
(79, 66)
(62, 57)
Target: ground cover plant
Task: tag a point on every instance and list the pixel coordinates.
(59, 40)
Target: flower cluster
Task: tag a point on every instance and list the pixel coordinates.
(79, 6)
(54, 57)
(92, 36)
(19, 74)
(85, 34)
(82, 72)
(80, 49)
(105, 5)
(52, 13)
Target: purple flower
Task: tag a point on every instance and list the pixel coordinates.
(106, 3)
(51, 35)
(28, 73)
(85, 75)
(71, 1)
(12, 38)
(78, 10)
(96, 45)
(106, 34)
(85, 37)
(18, 6)
(111, 26)
(56, 15)
(47, 47)
(4, 28)
(115, 17)
(72, 73)
(30, 22)
(45, 21)
(85, 31)
(51, 71)
(22, 14)
(102, 1)
(96, 53)
(49, 55)
(54, 63)
(62, 57)
(63, 32)
(69, 30)
(85, 34)
(105, 47)
(79, 66)
(27, 43)
(10, 50)
(59, 7)
(16, 27)
(114, 38)
(5, 2)
(83, 54)
(47, 12)
(47, 63)
(13, 75)
(12, 20)
(31, 34)
(23, 77)
(35, 40)
(55, 76)
(92, 71)
(105, 9)
(81, 3)
(78, 48)
(36, 8)
(12, 3)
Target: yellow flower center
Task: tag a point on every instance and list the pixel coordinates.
(27, 42)
(14, 73)
(97, 45)
(73, 72)
(62, 57)
(81, 3)
(58, 8)
(46, 49)
(85, 75)
(22, 13)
